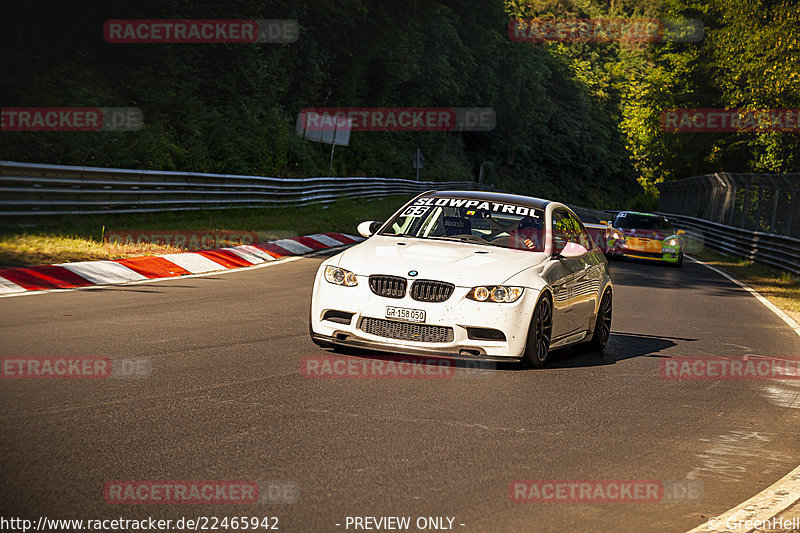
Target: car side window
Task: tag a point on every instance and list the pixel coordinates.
(563, 230)
(567, 228)
(583, 236)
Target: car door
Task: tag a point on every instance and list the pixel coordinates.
(587, 279)
(561, 274)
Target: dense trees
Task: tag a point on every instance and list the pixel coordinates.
(574, 121)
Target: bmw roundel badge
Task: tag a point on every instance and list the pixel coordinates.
(412, 273)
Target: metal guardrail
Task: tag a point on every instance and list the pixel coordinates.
(775, 250)
(28, 189)
(592, 216)
(757, 202)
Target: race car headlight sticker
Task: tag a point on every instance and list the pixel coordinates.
(340, 276)
(672, 242)
(499, 294)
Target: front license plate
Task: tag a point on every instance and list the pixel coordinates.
(401, 313)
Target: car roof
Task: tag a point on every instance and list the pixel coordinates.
(642, 214)
(498, 197)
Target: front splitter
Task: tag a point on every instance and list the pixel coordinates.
(450, 353)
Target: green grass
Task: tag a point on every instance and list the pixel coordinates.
(79, 238)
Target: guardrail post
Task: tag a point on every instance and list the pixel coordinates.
(730, 203)
(775, 196)
(758, 209)
(745, 202)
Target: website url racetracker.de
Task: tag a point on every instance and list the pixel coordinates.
(199, 523)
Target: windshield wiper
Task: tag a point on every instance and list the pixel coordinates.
(474, 240)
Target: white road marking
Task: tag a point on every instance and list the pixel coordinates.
(763, 506)
(730, 455)
(783, 393)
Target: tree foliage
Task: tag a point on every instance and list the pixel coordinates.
(578, 122)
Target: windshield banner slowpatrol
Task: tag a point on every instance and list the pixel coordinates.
(478, 205)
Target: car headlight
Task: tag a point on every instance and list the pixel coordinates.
(672, 242)
(496, 293)
(617, 235)
(340, 276)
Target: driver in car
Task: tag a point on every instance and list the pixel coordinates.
(528, 234)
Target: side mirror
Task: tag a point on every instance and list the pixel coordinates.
(368, 228)
(572, 249)
(680, 232)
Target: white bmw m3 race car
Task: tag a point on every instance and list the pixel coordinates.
(476, 275)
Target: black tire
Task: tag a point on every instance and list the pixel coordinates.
(539, 334)
(602, 325)
(680, 261)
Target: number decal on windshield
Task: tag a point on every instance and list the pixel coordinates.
(415, 211)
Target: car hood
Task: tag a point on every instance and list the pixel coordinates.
(463, 264)
(645, 233)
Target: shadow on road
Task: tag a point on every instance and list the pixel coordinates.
(636, 273)
(621, 346)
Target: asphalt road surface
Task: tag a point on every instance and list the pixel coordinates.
(226, 401)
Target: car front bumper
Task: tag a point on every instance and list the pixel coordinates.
(366, 344)
(669, 254)
(663, 257)
(458, 314)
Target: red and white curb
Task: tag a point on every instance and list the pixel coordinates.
(88, 273)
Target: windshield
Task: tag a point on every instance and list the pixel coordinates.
(469, 220)
(643, 222)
